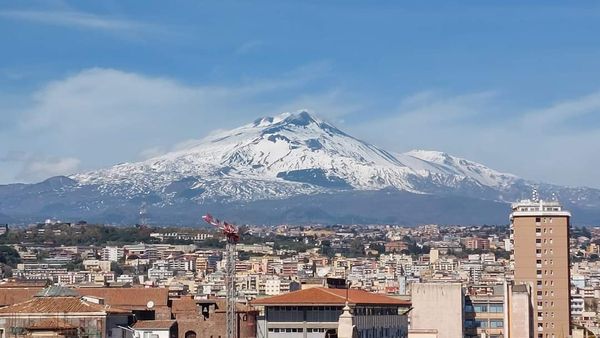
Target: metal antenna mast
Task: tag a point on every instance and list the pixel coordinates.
(143, 215)
(232, 234)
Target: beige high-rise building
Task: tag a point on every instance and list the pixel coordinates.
(540, 235)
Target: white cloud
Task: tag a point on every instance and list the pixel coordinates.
(563, 111)
(72, 18)
(105, 116)
(483, 126)
(35, 169)
(249, 47)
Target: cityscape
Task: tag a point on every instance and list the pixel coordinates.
(295, 280)
(299, 169)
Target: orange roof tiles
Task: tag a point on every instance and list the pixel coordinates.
(184, 305)
(10, 296)
(325, 296)
(129, 297)
(53, 324)
(58, 305)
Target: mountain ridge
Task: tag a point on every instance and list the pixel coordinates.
(275, 159)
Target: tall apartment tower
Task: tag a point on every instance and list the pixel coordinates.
(540, 236)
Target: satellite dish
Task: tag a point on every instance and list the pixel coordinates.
(150, 304)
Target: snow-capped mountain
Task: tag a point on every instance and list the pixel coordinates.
(287, 155)
(293, 159)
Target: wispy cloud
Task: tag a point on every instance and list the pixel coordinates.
(485, 127)
(561, 112)
(123, 116)
(249, 47)
(78, 19)
(35, 167)
(101, 116)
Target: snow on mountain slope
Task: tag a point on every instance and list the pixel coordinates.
(429, 162)
(286, 155)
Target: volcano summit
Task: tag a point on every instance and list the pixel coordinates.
(288, 168)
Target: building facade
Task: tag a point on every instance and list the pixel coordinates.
(438, 306)
(315, 313)
(540, 236)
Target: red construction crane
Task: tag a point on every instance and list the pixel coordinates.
(229, 230)
(232, 233)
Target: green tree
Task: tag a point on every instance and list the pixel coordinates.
(9, 256)
(116, 268)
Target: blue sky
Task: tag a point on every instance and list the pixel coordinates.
(511, 84)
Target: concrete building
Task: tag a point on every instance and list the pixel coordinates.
(438, 306)
(520, 311)
(112, 253)
(315, 313)
(475, 243)
(485, 311)
(434, 255)
(272, 286)
(540, 235)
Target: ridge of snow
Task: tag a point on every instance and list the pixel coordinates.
(247, 163)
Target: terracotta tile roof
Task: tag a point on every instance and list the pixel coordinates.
(10, 296)
(58, 305)
(325, 296)
(25, 284)
(129, 298)
(184, 305)
(53, 324)
(153, 324)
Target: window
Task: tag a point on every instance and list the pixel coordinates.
(496, 323)
(481, 323)
(538, 219)
(538, 240)
(497, 308)
(480, 307)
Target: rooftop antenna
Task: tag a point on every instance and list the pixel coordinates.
(143, 215)
(535, 196)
